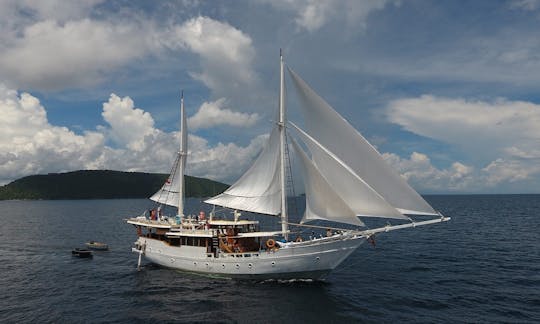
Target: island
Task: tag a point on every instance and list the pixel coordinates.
(101, 184)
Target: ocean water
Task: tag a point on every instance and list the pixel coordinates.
(481, 267)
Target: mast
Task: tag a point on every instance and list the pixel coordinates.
(282, 142)
(182, 153)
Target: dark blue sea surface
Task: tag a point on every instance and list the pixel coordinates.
(481, 267)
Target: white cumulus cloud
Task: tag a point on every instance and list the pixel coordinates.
(226, 55)
(421, 174)
(214, 113)
(226, 162)
(502, 134)
(53, 55)
(29, 144)
(129, 125)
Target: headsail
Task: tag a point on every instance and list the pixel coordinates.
(258, 190)
(172, 192)
(322, 202)
(333, 132)
(352, 190)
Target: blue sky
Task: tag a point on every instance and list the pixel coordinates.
(446, 90)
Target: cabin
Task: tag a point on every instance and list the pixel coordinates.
(216, 236)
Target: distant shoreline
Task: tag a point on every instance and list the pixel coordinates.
(101, 184)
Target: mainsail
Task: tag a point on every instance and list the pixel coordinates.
(172, 192)
(334, 133)
(258, 190)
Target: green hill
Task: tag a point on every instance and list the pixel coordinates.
(101, 184)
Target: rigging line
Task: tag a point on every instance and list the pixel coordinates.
(289, 173)
(170, 178)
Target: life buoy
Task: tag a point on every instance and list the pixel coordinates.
(298, 239)
(270, 243)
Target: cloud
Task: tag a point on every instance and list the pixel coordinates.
(226, 54)
(128, 125)
(479, 127)
(29, 144)
(57, 9)
(212, 114)
(509, 170)
(527, 5)
(422, 175)
(312, 15)
(226, 162)
(50, 50)
(501, 134)
(54, 46)
(51, 56)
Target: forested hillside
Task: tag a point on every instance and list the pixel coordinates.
(101, 184)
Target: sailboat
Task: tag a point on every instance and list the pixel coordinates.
(345, 180)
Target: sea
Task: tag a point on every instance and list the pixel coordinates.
(483, 266)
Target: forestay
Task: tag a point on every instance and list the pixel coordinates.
(258, 190)
(334, 133)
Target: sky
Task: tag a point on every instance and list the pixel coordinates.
(447, 91)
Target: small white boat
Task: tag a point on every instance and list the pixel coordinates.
(97, 246)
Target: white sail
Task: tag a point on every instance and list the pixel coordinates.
(169, 194)
(333, 132)
(322, 202)
(345, 183)
(172, 192)
(258, 190)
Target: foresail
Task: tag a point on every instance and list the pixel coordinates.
(351, 189)
(333, 132)
(322, 202)
(258, 190)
